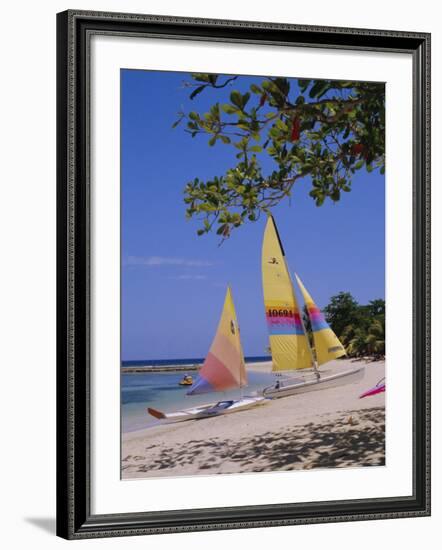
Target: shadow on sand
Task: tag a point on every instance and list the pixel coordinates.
(355, 438)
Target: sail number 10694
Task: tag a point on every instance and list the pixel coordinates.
(280, 312)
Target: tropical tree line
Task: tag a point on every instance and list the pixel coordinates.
(360, 328)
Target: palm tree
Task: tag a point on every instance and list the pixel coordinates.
(376, 307)
(357, 346)
(361, 341)
(375, 339)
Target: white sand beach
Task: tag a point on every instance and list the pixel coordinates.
(321, 429)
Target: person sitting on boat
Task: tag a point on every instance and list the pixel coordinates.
(277, 385)
(187, 380)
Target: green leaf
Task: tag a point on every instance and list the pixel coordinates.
(214, 111)
(319, 89)
(267, 85)
(335, 195)
(281, 125)
(255, 148)
(245, 98)
(196, 91)
(283, 85)
(201, 77)
(303, 84)
(212, 141)
(255, 89)
(236, 98)
(229, 109)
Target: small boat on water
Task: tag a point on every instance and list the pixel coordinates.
(186, 380)
(223, 369)
(289, 342)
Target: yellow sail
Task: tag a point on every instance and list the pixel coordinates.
(327, 344)
(288, 342)
(224, 367)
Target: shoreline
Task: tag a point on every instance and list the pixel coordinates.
(252, 364)
(327, 428)
(151, 368)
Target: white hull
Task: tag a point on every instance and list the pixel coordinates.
(293, 386)
(212, 409)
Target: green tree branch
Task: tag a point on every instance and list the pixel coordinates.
(322, 129)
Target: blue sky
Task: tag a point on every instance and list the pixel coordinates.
(173, 282)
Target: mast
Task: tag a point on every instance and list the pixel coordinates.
(242, 358)
(301, 315)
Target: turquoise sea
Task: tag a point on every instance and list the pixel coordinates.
(160, 390)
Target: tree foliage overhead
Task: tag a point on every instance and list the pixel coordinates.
(324, 130)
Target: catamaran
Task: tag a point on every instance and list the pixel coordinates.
(223, 369)
(289, 342)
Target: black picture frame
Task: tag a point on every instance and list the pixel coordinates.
(74, 518)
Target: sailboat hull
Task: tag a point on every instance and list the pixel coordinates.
(295, 386)
(212, 409)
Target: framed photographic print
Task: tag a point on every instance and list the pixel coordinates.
(243, 274)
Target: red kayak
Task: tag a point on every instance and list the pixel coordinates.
(379, 388)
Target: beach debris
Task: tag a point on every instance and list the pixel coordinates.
(352, 420)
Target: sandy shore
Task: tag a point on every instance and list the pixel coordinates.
(322, 429)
